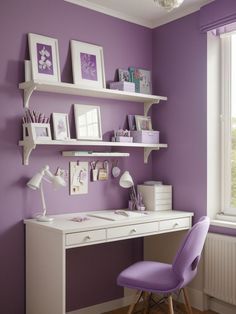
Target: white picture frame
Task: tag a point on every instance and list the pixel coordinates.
(44, 56)
(87, 122)
(143, 123)
(61, 129)
(87, 65)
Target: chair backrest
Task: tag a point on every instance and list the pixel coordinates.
(187, 258)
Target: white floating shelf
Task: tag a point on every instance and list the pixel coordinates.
(73, 89)
(93, 154)
(29, 145)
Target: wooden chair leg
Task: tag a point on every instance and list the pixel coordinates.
(170, 304)
(147, 297)
(132, 305)
(187, 302)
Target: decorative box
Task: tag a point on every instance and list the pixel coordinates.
(124, 139)
(147, 137)
(37, 131)
(156, 197)
(123, 85)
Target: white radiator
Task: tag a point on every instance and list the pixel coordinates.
(220, 267)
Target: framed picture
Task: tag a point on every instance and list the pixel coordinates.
(142, 80)
(44, 56)
(61, 128)
(123, 75)
(87, 122)
(145, 81)
(87, 65)
(131, 122)
(143, 123)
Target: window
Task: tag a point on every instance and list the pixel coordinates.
(221, 128)
(228, 124)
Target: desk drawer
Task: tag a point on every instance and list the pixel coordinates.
(175, 224)
(133, 230)
(85, 237)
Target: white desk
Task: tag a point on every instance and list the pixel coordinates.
(46, 245)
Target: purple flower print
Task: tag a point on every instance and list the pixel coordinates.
(44, 55)
(88, 66)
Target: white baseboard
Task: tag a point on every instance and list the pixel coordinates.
(105, 307)
(221, 307)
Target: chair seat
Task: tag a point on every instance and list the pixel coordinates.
(149, 276)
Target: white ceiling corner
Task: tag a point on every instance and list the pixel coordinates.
(141, 12)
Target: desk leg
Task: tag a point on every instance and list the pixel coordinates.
(45, 271)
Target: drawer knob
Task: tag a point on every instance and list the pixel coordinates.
(87, 238)
(176, 224)
(133, 230)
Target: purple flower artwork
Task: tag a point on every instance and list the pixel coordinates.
(88, 66)
(44, 56)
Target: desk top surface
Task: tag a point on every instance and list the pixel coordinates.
(66, 223)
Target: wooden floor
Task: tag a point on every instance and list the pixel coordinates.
(179, 309)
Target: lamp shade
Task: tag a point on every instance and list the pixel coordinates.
(58, 181)
(35, 181)
(126, 180)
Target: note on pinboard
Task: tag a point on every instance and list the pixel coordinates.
(78, 177)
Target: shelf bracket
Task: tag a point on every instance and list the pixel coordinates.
(148, 105)
(27, 149)
(147, 152)
(27, 94)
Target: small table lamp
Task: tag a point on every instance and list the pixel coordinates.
(126, 181)
(35, 183)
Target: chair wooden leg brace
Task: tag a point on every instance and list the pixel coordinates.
(170, 304)
(187, 302)
(132, 305)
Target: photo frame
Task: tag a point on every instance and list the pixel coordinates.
(44, 56)
(87, 122)
(142, 79)
(87, 65)
(143, 123)
(61, 129)
(124, 75)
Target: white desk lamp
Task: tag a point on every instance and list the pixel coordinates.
(126, 181)
(35, 183)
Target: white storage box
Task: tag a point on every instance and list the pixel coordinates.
(147, 137)
(156, 197)
(122, 85)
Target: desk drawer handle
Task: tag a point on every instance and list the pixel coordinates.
(176, 224)
(87, 238)
(133, 230)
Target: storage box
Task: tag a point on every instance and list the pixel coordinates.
(37, 131)
(125, 86)
(147, 137)
(124, 139)
(156, 197)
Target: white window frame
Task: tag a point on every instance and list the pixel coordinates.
(226, 80)
(218, 131)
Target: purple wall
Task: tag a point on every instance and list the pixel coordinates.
(178, 51)
(179, 69)
(124, 44)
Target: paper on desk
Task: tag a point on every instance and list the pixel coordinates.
(113, 216)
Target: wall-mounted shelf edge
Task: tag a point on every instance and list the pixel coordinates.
(93, 154)
(73, 89)
(28, 145)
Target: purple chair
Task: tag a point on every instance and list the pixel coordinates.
(159, 278)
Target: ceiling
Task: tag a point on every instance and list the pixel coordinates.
(141, 12)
